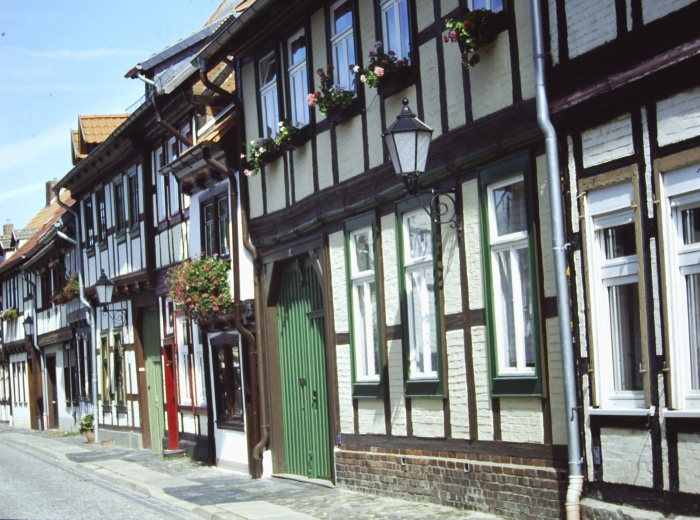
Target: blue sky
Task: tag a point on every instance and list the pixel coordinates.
(62, 59)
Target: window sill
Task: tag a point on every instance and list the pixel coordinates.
(102, 246)
(424, 388)
(237, 427)
(626, 412)
(368, 390)
(688, 413)
(120, 237)
(135, 232)
(396, 82)
(90, 251)
(516, 387)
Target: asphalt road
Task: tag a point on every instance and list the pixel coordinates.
(37, 487)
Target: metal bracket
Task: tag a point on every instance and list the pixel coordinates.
(436, 210)
(119, 317)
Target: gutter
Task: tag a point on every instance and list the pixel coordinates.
(255, 353)
(575, 487)
(86, 303)
(42, 366)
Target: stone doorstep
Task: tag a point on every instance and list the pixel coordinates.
(592, 509)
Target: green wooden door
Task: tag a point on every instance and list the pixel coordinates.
(154, 377)
(301, 330)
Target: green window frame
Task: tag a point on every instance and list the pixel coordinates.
(516, 368)
(422, 342)
(362, 274)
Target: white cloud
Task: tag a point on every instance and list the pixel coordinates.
(65, 54)
(29, 188)
(31, 150)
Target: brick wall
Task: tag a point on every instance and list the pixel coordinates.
(608, 142)
(678, 117)
(626, 456)
(689, 462)
(653, 9)
(590, 23)
(508, 486)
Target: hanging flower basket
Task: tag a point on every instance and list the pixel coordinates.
(290, 137)
(331, 97)
(390, 84)
(201, 288)
(69, 291)
(337, 115)
(262, 151)
(472, 30)
(10, 314)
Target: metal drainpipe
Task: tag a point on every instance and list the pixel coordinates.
(168, 128)
(42, 366)
(255, 352)
(89, 314)
(573, 494)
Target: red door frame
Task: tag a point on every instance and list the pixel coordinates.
(171, 396)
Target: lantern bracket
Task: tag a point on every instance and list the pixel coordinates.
(119, 317)
(439, 211)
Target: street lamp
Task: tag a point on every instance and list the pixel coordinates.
(28, 327)
(105, 289)
(408, 140)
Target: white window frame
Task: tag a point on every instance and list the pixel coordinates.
(184, 367)
(386, 7)
(185, 129)
(512, 243)
(366, 367)
(158, 162)
(346, 40)
(680, 191)
(606, 208)
(172, 153)
(298, 72)
(424, 268)
(269, 94)
(487, 4)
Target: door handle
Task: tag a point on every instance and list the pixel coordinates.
(314, 398)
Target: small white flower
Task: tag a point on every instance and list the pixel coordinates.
(356, 68)
(281, 123)
(363, 78)
(262, 149)
(242, 156)
(252, 142)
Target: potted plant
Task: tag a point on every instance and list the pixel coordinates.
(290, 137)
(200, 287)
(385, 71)
(262, 151)
(87, 426)
(472, 30)
(69, 291)
(10, 314)
(333, 101)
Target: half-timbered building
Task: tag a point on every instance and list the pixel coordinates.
(402, 356)
(624, 95)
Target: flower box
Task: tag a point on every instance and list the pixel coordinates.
(10, 314)
(270, 157)
(394, 82)
(296, 140)
(337, 115)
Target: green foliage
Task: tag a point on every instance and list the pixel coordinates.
(200, 287)
(10, 314)
(381, 64)
(87, 423)
(466, 32)
(330, 96)
(258, 152)
(70, 290)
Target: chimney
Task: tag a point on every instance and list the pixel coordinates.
(49, 191)
(7, 229)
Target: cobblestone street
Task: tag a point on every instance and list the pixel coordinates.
(140, 484)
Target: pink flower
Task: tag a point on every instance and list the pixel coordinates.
(204, 295)
(317, 95)
(320, 72)
(216, 309)
(371, 54)
(311, 100)
(453, 35)
(384, 62)
(247, 172)
(400, 64)
(391, 53)
(330, 67)
(377, 44)
(378, 71)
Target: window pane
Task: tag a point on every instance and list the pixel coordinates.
(619, 241)
(496, 5)
(506, 325)
(692, 284)
(298, 49)
(509, 208)
(626, 336)
(416, 310)
(209, 229)
(237, 404)
(268, 70)
(405, 30)
(419, 233)
(342, 17)
(691, 225)
(222, 207)
(342, 67)
(366, 329)
(479, 4)
(391, 42)
(526, 302)
(351, 61)
(364, 255)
